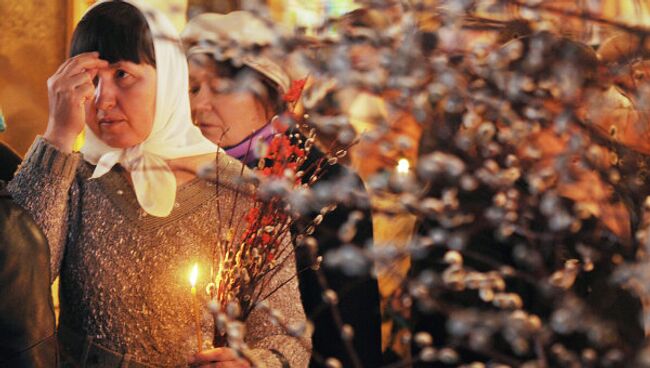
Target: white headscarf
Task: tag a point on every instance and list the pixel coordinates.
(173, 134)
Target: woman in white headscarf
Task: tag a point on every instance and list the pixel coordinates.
(127, 217)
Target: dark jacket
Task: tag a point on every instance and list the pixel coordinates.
(9, 161)
(27, 322)
(358, 296)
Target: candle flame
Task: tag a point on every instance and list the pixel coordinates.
(194, 275)
(403, 166)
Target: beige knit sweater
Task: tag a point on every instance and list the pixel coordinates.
(124, 274)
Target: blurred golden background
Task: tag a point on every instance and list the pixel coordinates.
(35, 37)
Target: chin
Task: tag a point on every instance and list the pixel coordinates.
(214, 138)
(119, 136)
(120, 141)
(213, 133)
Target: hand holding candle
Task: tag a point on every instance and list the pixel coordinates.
(195, 306)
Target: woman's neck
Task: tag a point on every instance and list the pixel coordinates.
(183, 177)
(184, 169)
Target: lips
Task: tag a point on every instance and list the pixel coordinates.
(110, 121)
(203, 125)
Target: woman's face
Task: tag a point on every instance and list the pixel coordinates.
(225, 113)
(125, 102)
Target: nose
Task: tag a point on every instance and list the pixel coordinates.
(202, 100)
(105, 94)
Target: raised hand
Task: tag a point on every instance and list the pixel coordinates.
(69, 90)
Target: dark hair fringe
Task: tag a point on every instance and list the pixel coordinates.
(118, 31)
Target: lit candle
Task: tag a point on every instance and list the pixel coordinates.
(401, 178)
(403, 166)
(195, 305)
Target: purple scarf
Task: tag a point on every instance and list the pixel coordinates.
(240, 150)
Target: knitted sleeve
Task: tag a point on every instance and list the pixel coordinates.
(42, 186)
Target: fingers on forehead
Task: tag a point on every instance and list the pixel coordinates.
(92, 62)
(88, 60)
